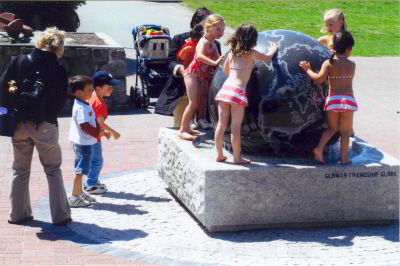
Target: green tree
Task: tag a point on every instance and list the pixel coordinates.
(42, 14)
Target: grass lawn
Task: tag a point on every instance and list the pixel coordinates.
(375, 25)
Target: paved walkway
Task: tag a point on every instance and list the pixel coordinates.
(40, 242)
(139, 219)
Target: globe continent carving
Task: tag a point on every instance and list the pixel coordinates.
(285, 113)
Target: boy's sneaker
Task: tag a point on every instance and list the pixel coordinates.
(87, 197)
(95, 190)
(75, 202)
(101, 185)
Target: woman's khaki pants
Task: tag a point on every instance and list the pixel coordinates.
(45, 139)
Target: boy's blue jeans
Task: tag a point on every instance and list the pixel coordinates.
(83, 158)
(96, 164)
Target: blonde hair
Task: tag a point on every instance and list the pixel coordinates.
(51, 39)
(211, 20)
(335, 14)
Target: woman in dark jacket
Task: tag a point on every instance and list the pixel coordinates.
(37, 124)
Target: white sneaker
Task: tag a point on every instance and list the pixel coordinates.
(193, 124)
(95, 190)
(203, 124)
(101, 185)
(86, 197)
(76, 202)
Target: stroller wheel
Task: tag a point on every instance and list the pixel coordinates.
(135, 97)
(139, 98)
(144, 96)
(132, 96)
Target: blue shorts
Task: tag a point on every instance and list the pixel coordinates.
(83, 157)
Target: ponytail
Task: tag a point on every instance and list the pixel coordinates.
(331, 58)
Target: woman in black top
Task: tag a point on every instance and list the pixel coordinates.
(37, 124)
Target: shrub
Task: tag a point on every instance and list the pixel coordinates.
(42, 14)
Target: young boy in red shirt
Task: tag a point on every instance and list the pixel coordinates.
(102, 83)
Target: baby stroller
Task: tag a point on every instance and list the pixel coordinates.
(152, 44)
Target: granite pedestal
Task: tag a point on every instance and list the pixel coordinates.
(280, 192)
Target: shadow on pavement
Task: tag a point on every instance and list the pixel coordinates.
(127, 209)
(52, 233)
(340, 237)
(131, 196)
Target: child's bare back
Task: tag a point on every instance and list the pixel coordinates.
(340, 76)
(239, 67)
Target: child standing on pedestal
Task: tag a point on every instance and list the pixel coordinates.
(340, 104)
(232, 97)
(196, 75)
(83, 133)
(102, 82)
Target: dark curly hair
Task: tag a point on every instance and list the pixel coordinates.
(341, 42)
(243, 40)
(199, 15)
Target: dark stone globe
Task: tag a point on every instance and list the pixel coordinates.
(285, 113)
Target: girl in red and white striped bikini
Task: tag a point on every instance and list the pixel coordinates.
(232, 98)
(340, 104)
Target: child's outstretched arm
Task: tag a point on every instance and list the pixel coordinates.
(101, 122)
(92, 131)
(316, 77)
(271, 52)
(201, 56)
(323, 40)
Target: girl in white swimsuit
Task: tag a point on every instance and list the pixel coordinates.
(232, 98)
(340, 104)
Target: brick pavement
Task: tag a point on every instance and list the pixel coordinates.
(43, 244)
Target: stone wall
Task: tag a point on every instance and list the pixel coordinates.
(83, 60)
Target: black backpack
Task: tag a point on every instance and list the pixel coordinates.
(33, 90)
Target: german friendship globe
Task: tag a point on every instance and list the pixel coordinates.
(286, 109)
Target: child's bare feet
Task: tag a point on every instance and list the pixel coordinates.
(318, 155)
(221, 158)
(242, 161)
(345, 162)
(185, 135)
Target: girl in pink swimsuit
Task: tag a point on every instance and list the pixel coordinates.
(340, 103)
(196, 75)
(232, 97)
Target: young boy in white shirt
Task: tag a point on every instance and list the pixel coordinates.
(83, 133)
